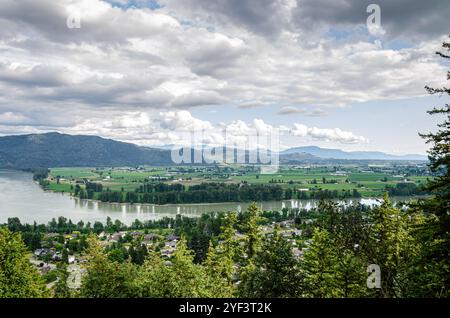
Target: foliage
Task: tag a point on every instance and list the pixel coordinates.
(106, 279)
(436, 255)
(179, 277)
(274, 271)
(18, 278)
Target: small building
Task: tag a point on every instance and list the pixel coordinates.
(171, 244)
(166, 252)
(297, 252)
(172, 237)
(150, 237)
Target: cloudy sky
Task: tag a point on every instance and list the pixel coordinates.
(140, 71)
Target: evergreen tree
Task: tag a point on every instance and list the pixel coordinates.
(275, 271)
(231, 249)
(180, 277)
(319, 267)
(106, 279)
(219, 266)
(252, 230)
(65, 256)
(436, 256)
(61, 289)
(351, 275)
(18, 278)
(392, 247)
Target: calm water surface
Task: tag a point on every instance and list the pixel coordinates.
(21, 197)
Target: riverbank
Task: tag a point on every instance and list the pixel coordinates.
(32, 203)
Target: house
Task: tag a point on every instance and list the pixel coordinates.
(297, 252)
(38, 252)
(135, 234)
(167, 252)
(114, 238)
(297, 232)
(45, 269)
(148, 244)
(150, 237)
(41, 252)
(172, 237)
(287, 223)
(171, 244)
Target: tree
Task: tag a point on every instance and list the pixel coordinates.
(116, 255)
(331, 269)
(437, 253)
(275, 272)
(391, 246)
(220, 267)
(106, 279)
(230, 244)
(179, 278)
(98, 227)
(252, 230)
(351, 276)
(65, 256)
(319, 267)
(61, 289)
(434, 261)
(18, 278)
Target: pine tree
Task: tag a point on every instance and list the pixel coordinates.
(351, 276)
(437, 253)
(275, 271)
(252, 230)
(391, 246)
(230, 245)
(61, 289)
(65, 256)
(220, 267)
(319, 267)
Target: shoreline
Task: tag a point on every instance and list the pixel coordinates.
(168, 205)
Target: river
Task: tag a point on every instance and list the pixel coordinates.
(21, 197)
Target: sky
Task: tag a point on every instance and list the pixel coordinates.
(318, 72)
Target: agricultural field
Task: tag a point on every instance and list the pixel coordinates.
(369, 182)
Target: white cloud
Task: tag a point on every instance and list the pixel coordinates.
(161, 59)
(335, 134)
(182, 121)
(10, 118)
(288, 110)
(123, 67)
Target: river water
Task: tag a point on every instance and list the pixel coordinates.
(21, 197)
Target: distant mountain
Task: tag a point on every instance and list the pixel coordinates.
(299, 158)
(60, 150)
(325, 153)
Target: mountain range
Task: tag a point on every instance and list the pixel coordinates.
(62, 150)
(325, 153)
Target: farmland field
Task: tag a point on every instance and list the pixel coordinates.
(369, 182)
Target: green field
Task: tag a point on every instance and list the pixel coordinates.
(369, 183)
